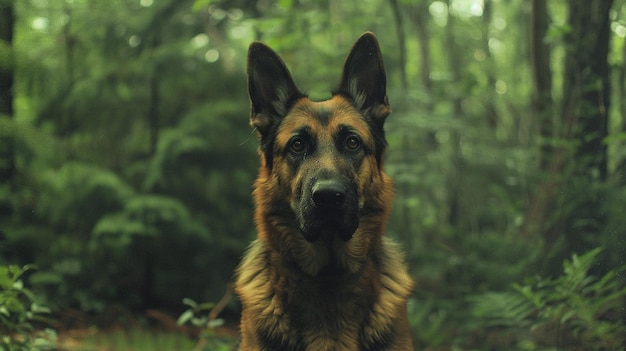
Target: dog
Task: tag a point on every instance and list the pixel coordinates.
(321, 275)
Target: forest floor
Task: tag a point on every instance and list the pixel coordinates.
(150, 330)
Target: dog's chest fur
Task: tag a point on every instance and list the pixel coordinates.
(322, 314)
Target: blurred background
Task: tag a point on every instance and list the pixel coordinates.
(126, 164)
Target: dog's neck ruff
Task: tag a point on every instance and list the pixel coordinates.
(261, 287)
(313, 258)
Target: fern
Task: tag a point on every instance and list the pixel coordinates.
(576, 308)
(502, 309)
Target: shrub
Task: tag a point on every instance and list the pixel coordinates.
(157, 238)
(76, 196)
(19, 308)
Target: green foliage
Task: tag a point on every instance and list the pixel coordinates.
(174, 146)
(19, 309)
(197, 315)
(148, 215)
(156, 236)
(134, 157)
(77, 195)
(575, 309)
(138, 253)
(428, 319)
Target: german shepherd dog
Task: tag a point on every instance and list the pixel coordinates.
(321, 275)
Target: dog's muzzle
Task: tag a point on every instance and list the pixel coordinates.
(327, 208)
(328, 195)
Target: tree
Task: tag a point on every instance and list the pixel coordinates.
(7, 146)
(586, 85)
(542, 76)
(585, 108)
(397, 14)
(550, 162)
(566, 208)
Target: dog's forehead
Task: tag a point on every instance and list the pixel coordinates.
(323, 118)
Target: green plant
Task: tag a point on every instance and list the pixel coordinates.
(198, 315)
(159, 238)
(77, 195)
(577, 309)
(429, 319)
(18, 310)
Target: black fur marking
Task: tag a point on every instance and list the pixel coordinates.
(381, 343)
(272, 342)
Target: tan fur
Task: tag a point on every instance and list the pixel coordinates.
(330, 293)
(262, 292)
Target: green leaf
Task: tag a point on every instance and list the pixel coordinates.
(185, 317)
(189, 302)
(18, 284)
(5, 280)
(199, 321)
(217, 322)
(36, 308)
(206, 306)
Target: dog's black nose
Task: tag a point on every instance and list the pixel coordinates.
(328, 194)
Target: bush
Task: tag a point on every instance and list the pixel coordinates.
(19, 308)
(141, 251)
(76, 196)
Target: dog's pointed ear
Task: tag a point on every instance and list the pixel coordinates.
(270, 87)
(364, 80)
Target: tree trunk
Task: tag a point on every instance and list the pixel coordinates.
(586, 83)
(7, 22)
(154, 98)
(420, 19)
(7, 141)
(153, 111)
(397, 14)
(566, 208)
(542, 79)
(586, 92)
(620, 168)
(549, 164)
(455, 178)
(419, 16)
(489, 66)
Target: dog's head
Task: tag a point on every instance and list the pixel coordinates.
(322, 160)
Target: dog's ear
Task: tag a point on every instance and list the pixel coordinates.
(363, 79)
(270, 87)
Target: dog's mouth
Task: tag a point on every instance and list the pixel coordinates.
(328, 209)
(329, 226)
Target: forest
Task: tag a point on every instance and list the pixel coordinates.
(127, 161)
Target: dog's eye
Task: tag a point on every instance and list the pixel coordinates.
(297, 145)
(353, 142)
